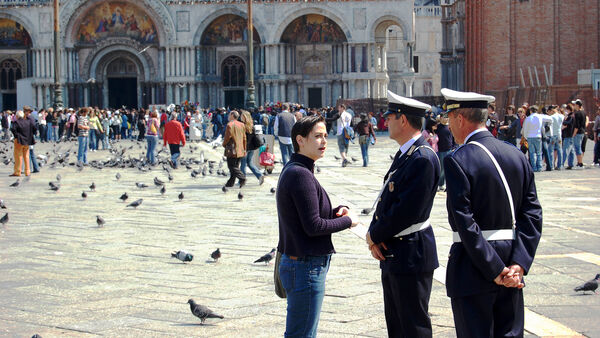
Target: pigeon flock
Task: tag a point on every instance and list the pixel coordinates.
(63, 155)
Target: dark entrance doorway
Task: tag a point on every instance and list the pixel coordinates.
(9, 102)
(234, 98)
(122, 92)
(314, 98)
(233, 75)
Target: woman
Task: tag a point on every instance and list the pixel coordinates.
(23, 129)
(93, 124)
(306, 222)
(141, 124)
(42, 125)
(429, 134)
(152, 137)
(105, 122)
(567, 137)
(116, 125)
(364, 129)
(246, 119)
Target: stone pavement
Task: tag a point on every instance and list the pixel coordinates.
(62, 275)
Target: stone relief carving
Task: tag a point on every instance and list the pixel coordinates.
(109, 42)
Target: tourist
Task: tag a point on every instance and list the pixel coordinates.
(152, 137)
(252, 143)
(366, 136)
(234, 143)
(175, 137)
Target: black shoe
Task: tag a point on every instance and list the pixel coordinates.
(344, 163)
(580, 165)
(242, 182)
(569, 168)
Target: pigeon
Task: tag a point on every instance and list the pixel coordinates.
(224, 189)
(591, 285)
(93, 186)
(118, 176)
(240, 195)
(83, 194)
(391, 157)
(58, 177)
(180, 196)
(182, 256)
(36, 336)
(141, 185)
(136, 203)
(170, 177)
(55, 187)
(100, 221)
(163, 190)
(2, 205)
(16, 184)
(202, 311)
(158, 182)
(318, 169)
(336, 157)
(216, 254)
(4, 219)
(272, 190)
(266, 257)
(354, 159)
(124, 197)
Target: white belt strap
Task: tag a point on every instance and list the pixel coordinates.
(414, 228)
(503, 234)
(490, 235)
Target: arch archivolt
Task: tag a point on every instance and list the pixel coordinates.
(377, 28)
(23, 21)
(228, 9)
(74, 12)
(276, 37)
(111, 49)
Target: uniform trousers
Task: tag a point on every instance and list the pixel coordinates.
(497, 313)
(406, 300)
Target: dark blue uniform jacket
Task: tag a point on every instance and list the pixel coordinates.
(407, 200)
(477, 201)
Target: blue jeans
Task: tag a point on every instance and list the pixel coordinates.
(304, 283)
(364, 141)
(175, 153)
(568, 151)
(92, 140)
(548, 153)
(150, 153)
(82, 149)
(105, 138)
(48, 131)
(33, 161)
(556, 146)
(577, 139)
(286, 151)
(442, 155)
(247, 161)
(535, 152)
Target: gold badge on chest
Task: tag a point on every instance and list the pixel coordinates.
(391, 186)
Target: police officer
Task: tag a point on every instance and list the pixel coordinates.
(496, 217)
(400, 235)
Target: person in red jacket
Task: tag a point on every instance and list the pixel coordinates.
(174, 136)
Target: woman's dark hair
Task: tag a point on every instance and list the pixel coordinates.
(429, 124)
(303, 128)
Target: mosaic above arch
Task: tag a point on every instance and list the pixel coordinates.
(227, 29)
(116, 19)
(313, 28)
(13, 35)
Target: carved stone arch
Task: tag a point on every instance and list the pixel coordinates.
(110, 46)
(104, 61)
(73, 12)
(276, 37)
(228, 9)
(23, 21)
(376, 26)
(222, 56)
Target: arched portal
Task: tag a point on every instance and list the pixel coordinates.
(233, 77)
(394, 55)
(15, 60)
(122, 80)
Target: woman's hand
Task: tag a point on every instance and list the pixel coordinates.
(343, 211)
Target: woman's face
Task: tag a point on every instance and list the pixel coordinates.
(314, 144)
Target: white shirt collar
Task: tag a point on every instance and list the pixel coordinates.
(404, 148)
(473, 133)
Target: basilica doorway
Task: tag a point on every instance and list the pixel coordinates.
(314, 98)
(121, 75)
(233, 75)
(10, 72)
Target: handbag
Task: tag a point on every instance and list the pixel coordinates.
(230, 150)
(257, 142)
(279, 289)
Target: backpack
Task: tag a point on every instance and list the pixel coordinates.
(349, 134)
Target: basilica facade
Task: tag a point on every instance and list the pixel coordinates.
(145, 52)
